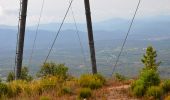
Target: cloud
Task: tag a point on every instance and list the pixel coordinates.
(54, 10)
(1, 11)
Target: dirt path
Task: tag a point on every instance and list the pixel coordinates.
(119, 93)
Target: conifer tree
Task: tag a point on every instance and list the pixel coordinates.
(149, 59)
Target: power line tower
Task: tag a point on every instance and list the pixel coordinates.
(90, 36)
(21, 38)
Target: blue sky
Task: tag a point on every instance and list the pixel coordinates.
(101, 10)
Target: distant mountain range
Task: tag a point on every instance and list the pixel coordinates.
(155, 24)
(149, 28)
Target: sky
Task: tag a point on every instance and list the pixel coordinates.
(101, 10)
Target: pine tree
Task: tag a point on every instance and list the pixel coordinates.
(149, 59)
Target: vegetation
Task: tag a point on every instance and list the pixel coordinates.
(92, 81)
(155, 92)
(53, 70)
(149, 59)
(45, 98)
(54, 80)
(119, 77)
(11, 76)
(3, 89)
(166, 86)
(85, 93)
(24, 75)
(149, 76)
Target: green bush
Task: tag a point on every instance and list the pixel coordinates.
(11, 76)
(150, 78)
(154, 91)
(138, 88)
(24, 75)
(147, 79)
(166, 86)
(101, 78)
(54, 70)
(3, 89)
(119, 77)
(66, 90)
(92, 81)
(85, 93)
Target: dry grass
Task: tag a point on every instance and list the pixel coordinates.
(112, 90)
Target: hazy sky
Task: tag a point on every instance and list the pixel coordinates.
(101, 10)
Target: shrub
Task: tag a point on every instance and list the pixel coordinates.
(3, 89)
(138, 88)
(54, 70)
(11, 76)
(50, 82)
(166, 86)
(17, 87)
(91, 81)
(154, 91)
(101, 78)
(147, 79)
(66, 90)
(119, 77)
(85, 93)
(24, 75)
(150, 77)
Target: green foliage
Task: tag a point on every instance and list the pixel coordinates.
(24, 75)
(85, 93)
(54, 70)
(11, 76)
(150, 77)
(0, 80)
(66, 90)
(166, 86)
(92, 81)
(149, 59)
(147, 79)
(45, 98)
(154, 91)
(3, 89)
(138, 88)
(119, 77)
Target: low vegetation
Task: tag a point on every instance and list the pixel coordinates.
(52, 79)
(148, 84)
(85, 93)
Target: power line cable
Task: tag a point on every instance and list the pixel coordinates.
(124, 42)
(36, 33)
(79, 39)
(58, 32)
